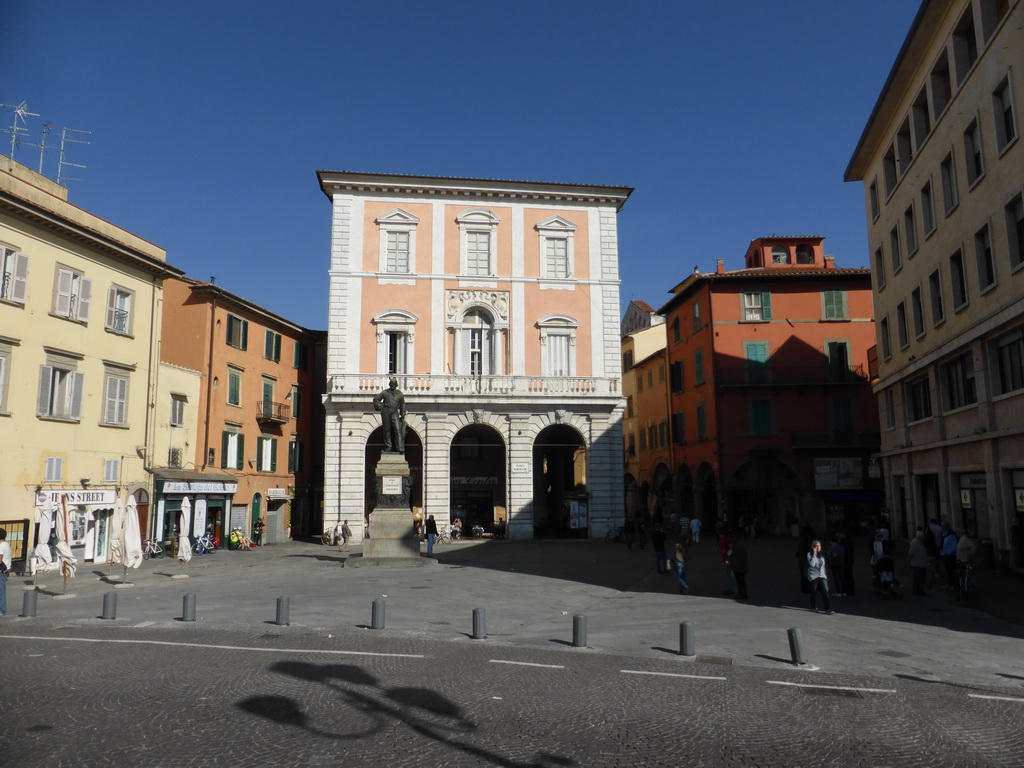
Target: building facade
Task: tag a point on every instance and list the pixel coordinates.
(80, 316)
(495, 305)
(239, 440)
(943, 172)
(773, 419)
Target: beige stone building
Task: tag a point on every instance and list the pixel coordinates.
(943, 171)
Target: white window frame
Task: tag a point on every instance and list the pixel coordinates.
(477, 221)
(232, 459)
(72, 294)
(390, 323)
(111, 470)
(487, 333)
(61, 387)
(120, 310)
(400, 221)
(551, 231)
(115, 399)
(54, 472)
(13, 275)
(265, 453)
(178, 405)
(558, 345)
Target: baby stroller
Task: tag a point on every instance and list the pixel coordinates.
(884, 579)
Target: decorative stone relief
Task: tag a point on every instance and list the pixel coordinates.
(496, 300)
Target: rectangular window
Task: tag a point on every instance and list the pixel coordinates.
(111, 470)
(296, 398)
(986, 262)
(234, 386)
(698, 366)
(13, 275)
(178, 410)
(115, 400)
(398, 251)
(1014, 213)
(267, 405)
(992, 12)
(677, 335)
(901, 324)
(910, 231)
(879, 267)
(72, 292)
(919, 400)
(696, 315)
(837, 357)
(478, 253)
(1010, 362)
(958, 378)
(119, 310)
(679, 428)
(761, 416)
(935, 294)
(894, 249)
(886, 341)
(6, 350)
(663, 434)
(60, 392)
(398, 347)
(757, 306)
(904, 147)
(54, 469)
(959, 279)
(834, 305)
(942, 86)
(889, 168)
(266, 454)
(873, 199)
(232, 450)
(675, 376)
(950, 196)
(965, 45)
(917, 312)
(702, 423)
(972, 153)
(556, 259)
(643, 439)
(627, 360)
(1005, 114)
(557, 351)
(922, 118)
(842, 420)
(299, 360)
(237, 332)
(756, 355)
(295, 456)
(927, 209)
(272, 345)
(640, 382)
(889, 408)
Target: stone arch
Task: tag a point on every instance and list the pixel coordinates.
(560, 454)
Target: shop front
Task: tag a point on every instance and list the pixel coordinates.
(209, 499)
(90, 515)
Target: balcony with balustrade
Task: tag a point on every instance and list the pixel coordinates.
(273, 413)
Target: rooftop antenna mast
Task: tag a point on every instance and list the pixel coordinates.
(16, 131)
(65, 139)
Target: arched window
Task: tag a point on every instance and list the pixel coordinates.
(476, 345)
(780, 255)
(804, 254)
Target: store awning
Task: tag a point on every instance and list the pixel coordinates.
(190, 481)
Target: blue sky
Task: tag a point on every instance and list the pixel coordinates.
(209, 119)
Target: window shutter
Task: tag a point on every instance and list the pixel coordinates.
(111, 306)
(240, 459)
(62, 300)
(291, 457)
(110, 401)
(19, 287)
(830, 305)
(245, 334)
(268, 345)
(766, 305)
(45, 388)
(84, 296)
(277, 347)
(76, 383)
(273, 455)
(224, 437)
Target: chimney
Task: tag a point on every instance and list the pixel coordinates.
(720, 269)
(830, 261)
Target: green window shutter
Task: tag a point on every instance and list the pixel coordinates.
(245, 334)
(291, 457)
(766, 305)
(273, 455)
(240, 464)
(268, 345)
(224, 437)
(277, 347)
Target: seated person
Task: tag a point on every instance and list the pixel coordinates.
(457, 528)
(240, 540)
(499, 529)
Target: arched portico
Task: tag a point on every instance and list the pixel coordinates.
(560, 482)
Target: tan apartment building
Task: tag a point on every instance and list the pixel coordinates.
(80, 313)
(495, 304)
(240, 445)
(943, 171)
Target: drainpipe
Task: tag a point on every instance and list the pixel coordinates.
(209, 383)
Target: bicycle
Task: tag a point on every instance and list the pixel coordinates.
(151, 548)
(443, 535)
(327, 538)
(205, 546)
(614, 534)
(968, 592)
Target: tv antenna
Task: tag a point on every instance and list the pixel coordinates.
(65, 139)
(16, 131)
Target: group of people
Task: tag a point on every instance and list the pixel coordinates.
(936, 544)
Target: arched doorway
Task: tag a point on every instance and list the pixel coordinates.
(764, 494)
(560, 500)
(706, 501)
(683, 488)
(661, 506)
(477, 479)
(631, 496)
(413, 456)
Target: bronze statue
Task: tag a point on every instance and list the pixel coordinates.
(391, 405)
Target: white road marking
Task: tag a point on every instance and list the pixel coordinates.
(526, 664)
(671, 674)
(996, 698)
(832, 687)
(216, 647)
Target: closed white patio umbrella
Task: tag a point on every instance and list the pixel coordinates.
(68, 563)
(184, 547)
(132, 535)
(117, 534)
(41, 550)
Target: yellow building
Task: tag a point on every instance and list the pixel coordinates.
(79, 344)
(943, 171)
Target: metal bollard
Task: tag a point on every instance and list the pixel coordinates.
(579, 631)
(479, 624)
(188, 608)
(377, 620)
(796, 645)
(282, 612)
(686, 639)
(109, 606)
(28, 604)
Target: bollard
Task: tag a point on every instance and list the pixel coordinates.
(188, 608)
(686, 640)
(377, 620)
(282, 612)
(28, 604)
(579, 631)
(479, 624)
(109, 606)
(796, 645)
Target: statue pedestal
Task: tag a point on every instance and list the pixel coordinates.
(391, 541)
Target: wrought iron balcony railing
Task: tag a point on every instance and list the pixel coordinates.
(276, 413)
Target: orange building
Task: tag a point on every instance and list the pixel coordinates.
(773, 418)
(255, 452)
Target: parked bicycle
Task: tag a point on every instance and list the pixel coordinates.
(151, 548)
(205, 545)
(327, 538)
(968, 592)
(614, 534)
(443, 535)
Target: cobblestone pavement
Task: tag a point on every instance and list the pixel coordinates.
(110, 696)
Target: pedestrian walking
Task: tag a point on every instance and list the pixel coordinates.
(658, 543)
(724, 545)
(684, 528)
(5, 568)
(738, 564)
(346, 537)
(681, 566)
(948, 553)
(817, 577)
(695, 530)
(431, 534)
(919, 559)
